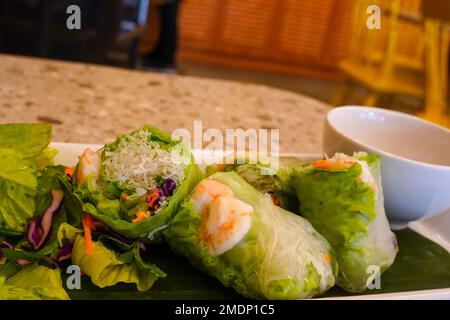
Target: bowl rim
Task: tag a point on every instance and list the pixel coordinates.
(381, 151)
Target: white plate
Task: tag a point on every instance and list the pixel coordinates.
(436, 229)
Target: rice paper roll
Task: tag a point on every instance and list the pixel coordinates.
(136, 184)
(236, 234)
(342, 197)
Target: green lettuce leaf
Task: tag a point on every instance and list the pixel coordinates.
(32, 282)
(28, 139)
(18, 185)
(67, 234)
(280, 257)
(106, 268)
(46, 158)
(20, 147)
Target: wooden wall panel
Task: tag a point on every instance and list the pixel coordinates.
(247, 25)
(195, 22)
(304, 26)
(293, 36)
(338, 33)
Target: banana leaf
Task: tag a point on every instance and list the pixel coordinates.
(420, 265)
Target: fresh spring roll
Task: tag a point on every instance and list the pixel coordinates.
(136, 184)
(342, 197)
(229, 230)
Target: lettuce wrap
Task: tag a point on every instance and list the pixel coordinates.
(136, 184)
(229, 230)
(342, 197)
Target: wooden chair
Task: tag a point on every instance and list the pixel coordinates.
(436, 15)
(374, 60)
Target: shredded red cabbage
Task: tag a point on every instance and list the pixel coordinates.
(168, 187)
(39, 228)
(65, 252)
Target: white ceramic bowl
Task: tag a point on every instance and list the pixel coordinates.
(415, 157)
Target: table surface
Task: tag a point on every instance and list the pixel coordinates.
(93, 104)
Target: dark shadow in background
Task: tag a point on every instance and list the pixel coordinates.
(38, 28)
(162, 56)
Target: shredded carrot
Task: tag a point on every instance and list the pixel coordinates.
(143, 214)
(154, 195)
(327, 258)
(321, 164)
(124, 196)
(88, 225)
(69, 171)
(138, 219)
(140, 215)
(90, 221)
(332, 164)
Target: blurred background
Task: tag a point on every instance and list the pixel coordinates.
(320, 48)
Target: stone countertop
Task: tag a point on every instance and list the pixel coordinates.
(93, 104)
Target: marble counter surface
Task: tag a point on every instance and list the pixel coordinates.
(94, 104)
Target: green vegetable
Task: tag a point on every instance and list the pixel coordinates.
(29, 140)
(18, 189)
(21, 153)
(280, 257)
(349, 213)
(67, 234)
(106, 268)
(31, 282)
(46, 158)
(102, 199)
